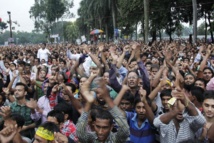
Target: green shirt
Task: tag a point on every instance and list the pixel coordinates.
(22, 110)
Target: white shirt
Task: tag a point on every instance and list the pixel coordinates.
(43, 54)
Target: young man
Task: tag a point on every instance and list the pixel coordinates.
(49, 133)
(103, 123)
(206, 133)
(43, 53)
(181, 122)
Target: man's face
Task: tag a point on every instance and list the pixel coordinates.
(19, 92)
(65, 96)
(38, 139)
(102, 128)
(106, 77)
(53, 120)
(132, 80)
(207, 74)
(140, 110)
(125, 105)
(189, 79)
(82, 81)
(164, 101)
(200, 84)
(208, 107)
(12, 67)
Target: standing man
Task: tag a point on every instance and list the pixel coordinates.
(43, 53)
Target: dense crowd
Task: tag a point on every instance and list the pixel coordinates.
(129, 92)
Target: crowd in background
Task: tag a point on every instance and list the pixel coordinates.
(129, 92)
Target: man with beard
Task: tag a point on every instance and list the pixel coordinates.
(181, 122)
(189, 80)
(19, 106)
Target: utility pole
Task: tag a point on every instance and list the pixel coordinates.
(10, 22)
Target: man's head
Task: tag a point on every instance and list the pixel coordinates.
(15, 119)
(140, 109)
(56, 117)
(103, 124)
(165, 97)
(126, 103)
(208, 104)
(45, 133)
(66, 109)
(72, 88)
(132, 79)
(200, 83)
(207, 74)
(196, 94)
(106, 77)
(20, 91)
(43, 45)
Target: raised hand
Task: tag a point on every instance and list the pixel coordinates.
(8, 133)
(32, 104)
(142, 93)
(5, 111)
(60, 138)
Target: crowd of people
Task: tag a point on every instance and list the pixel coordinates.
(129, 92)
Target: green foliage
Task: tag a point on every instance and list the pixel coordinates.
(23, 37)
(3, 25)
(46, 12)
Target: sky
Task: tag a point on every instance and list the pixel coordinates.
(20, 12)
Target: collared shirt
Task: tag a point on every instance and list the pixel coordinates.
(186, 132)
(22, 110)
(69, 129)
(90, 137)
(43, 103)
(144, 133)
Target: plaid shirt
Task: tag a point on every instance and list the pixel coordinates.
(22, 110)
(90, 137)
(69, 129)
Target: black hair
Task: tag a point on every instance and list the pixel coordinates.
(155, 66)
(138, 99)
(166, 92)
(22, 84)
(198, 93)
(104, 114)
(73, 87)
(2, 94)
(61, 60)
(44, 44)
(65, 77)
(129, 97)
(20, 120)
(202, 80)
(209, 94)
(185, 58)
(208, 68)
(65, 108)
(57, 114)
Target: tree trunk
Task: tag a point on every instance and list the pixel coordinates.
(211, 32)
(160, 35)
(146, 21)
(194, 4)
(205, 17)
(113, 8)
(106, 30)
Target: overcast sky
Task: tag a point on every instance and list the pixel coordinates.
(20, 12)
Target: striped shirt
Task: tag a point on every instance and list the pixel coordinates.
(186, 132)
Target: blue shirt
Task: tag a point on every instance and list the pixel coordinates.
(143, 134)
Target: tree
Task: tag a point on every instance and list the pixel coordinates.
(3, 25)
(46, 12)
